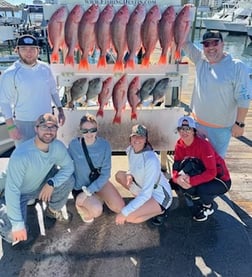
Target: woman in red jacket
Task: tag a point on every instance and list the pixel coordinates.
(203, 180)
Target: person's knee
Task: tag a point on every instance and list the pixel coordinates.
(116, 206)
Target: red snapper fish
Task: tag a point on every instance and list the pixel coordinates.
(86, 34)
(133, 97)
(119, 97)
(118, 35)
(56, 32)
(166, 32)
(149, 33)
(181, 30)
(71, 32)
(103, 35)
(105, 95)
(133, 32)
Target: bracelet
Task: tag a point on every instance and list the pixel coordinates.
(11, 127)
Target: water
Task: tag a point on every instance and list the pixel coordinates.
(235, 45)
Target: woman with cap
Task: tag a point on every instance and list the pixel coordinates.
(198, 170)
(91, 191)
(222, 85)
(144, 179)
(27, 89)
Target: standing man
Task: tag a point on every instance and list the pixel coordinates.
(222, 91)
(32, 174)
(27, 89)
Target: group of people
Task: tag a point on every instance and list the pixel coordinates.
(41, 167)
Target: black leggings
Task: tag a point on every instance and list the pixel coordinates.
(209, 190)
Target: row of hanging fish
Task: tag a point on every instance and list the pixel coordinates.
(123, 31)
(134, 93)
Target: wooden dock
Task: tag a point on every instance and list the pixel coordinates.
(239, 156)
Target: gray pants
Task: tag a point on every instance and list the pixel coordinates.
(58, 200)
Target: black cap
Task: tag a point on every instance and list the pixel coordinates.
(212, 35)
(27, 40)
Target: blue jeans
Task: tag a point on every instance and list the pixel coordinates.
(218, 137)
(58, 200)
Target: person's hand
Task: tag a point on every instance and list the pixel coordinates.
(184, 181)
(46, 193)
(237, 131)
(19, 235)
(120, 219)
(61, 118)
(129, 179)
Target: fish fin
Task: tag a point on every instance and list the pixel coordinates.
(133, 115)
(54, 57)
(162, 59)
(69, 60)
(100, 113)
(117, 119)
(177, 55)
(118, 66)
(145, 61)
(102, 61)
(83, 64)
(130, 63)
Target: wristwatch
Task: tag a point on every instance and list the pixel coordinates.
(240, 124)
(50, 182)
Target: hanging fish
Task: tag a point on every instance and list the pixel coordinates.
(56, 32)
(159, 90)
(118, 35)
(94, 88)
(105, 95)
(146, 89)
(133, 32)
(133, 97)
(119, 97)
(78, 90)
(86, 34)
(149, 33)
(71, 33)
(103, 34)
(166, 32)
(181, 30)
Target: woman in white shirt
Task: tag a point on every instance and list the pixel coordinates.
(144, 179)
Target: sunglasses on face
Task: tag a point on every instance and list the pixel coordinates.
(211, 43)
(91, 130)
(53, 128)
(184, 129)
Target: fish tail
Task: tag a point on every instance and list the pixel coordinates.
(130, 63)
(118, 66)
(162, 59)
(177, 55)
(102, 61)
(117, 119)
(54, 57)
(69, 60)
(133, 115)
(83, 64)
(100, 113)
(145, 61)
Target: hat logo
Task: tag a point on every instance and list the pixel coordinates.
(28, 40)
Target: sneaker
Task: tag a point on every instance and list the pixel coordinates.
(203, 213)
(159, 219)
(58, 215)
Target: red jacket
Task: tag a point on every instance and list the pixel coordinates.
(203, 150)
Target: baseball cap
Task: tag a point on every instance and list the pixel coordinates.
(47, 118)
(139, 130)
(190, 121)
(212, 35)
(27, 40)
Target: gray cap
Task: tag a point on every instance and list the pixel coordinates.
(139, 130)
(212, 35)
